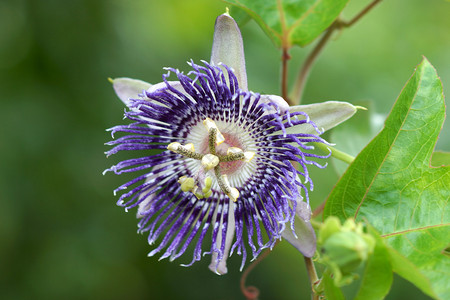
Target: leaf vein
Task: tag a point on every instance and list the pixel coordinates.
(413, 230)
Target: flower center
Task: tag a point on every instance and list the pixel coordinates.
(226, 167)
(221, 154)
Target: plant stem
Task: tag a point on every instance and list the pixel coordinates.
(361, 14)
(296, 94)
(284, 75)
(338, 154)
(319, 209)
(305, 69)
(252, 292)
(312, 277)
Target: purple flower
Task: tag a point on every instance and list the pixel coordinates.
(218, 163)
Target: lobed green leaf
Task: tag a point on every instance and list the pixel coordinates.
(392, 185)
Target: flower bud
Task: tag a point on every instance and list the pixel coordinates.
(347, 250)
(344, 248)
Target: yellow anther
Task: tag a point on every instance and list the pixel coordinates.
(187, 150)
(187, 183)
(211, 124)
(235, 153)
(225, 181)
(189, 147)
(173, 146)
(233, 194)
(209, 161)
(248, 156)
(233, 150)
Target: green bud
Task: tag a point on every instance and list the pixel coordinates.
(344, 248)
(347, 250)
(330, 226)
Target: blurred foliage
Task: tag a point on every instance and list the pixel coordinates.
(61, 235)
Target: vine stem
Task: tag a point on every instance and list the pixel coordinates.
(318, 210)
(307, 65)
(313, 278)
(338, 154)
(305, 69)
(252, 292)
(284, 75)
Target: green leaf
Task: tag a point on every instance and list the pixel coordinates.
(410, 271)
(377, 278)
(440, 158)
(391, 184)
(292, 22)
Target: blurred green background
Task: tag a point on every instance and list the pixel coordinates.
(61, 235)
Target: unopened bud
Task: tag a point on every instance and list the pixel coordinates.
(344, 248)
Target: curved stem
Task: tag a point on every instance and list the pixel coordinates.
(252, 292)
(307, 65)
(342, 156)
(338, 154)
(318, 210)
(305, 69)
(284, 75)
(361, 14)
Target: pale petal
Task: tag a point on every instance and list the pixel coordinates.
(228, 48)
(305, 239)
(127, 88)
(174, 84)
(221, 268)
(325, 115)
(277, 100)
(162, 85)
